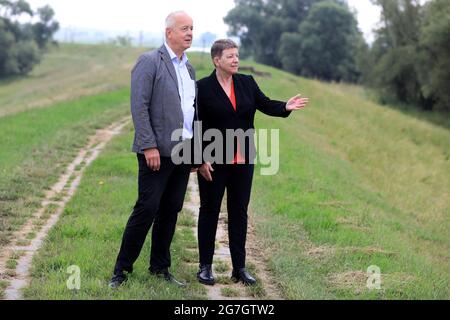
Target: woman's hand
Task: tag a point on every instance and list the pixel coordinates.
(296, 103)
(205, 170)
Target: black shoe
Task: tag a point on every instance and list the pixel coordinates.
(117, 281)
(166, 275)
(244, 276)
(205, 275)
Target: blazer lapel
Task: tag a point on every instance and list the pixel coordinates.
(166, 58)
(191, 70)
(237, 93)
(222, 94)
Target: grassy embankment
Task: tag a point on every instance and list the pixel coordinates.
(359, 185)
(40, 140)
(46, 117)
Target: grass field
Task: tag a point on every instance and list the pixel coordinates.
(359, 185)
(69, 72)
(48, 115)
(38, 144)
(89, 235)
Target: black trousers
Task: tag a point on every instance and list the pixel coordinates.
(237, 180)
(160, 199)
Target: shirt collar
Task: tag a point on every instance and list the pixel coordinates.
(173, 56)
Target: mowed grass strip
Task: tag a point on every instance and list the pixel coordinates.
(359, 185)
(37, 145)
(68, 72)
(89, 234)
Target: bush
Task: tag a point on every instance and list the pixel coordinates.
(22, 44)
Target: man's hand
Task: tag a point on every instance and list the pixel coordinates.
(153, 159)
(296, 103)
(205, 170)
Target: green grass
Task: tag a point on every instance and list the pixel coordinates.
(31, 235)
(224, 280)
(186, 219)
(69, 72)
(367, 181)
(16, 255)
(11, 264)
(359, 185)
(221, 266)
(257, 290)
(38, 144)
(354, 174)
(229, 292)
(89, 234)
(23, 242)
(3, 285)
(190, 256)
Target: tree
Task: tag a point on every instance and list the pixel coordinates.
(275, 32)
(25, 54)
(260, 24)
(22, 44)
(9, 9)
(434, 60)
(246, 20)
(395, 75)
(407, 61)
(46, 27)
(122, 41)
(325, 45)
(401, 21)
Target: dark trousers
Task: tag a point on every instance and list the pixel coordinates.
(160, 199)
(237, 180)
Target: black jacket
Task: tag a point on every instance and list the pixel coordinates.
(216, 111)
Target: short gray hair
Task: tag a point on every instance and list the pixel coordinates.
(220, 45)
(170, 20)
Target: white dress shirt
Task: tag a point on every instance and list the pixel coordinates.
(186, 90)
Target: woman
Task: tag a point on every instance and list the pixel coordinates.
(228, 100)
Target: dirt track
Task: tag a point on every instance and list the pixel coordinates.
(22, 248)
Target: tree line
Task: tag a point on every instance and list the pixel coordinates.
(22, 44)
(409, 60)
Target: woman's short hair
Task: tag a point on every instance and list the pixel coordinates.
(220, 45)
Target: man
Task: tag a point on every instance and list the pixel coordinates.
(162, 101)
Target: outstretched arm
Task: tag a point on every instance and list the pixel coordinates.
(278, 108)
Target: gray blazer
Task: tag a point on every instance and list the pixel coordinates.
(155, 102)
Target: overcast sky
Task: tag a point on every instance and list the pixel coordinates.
(149, 15)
